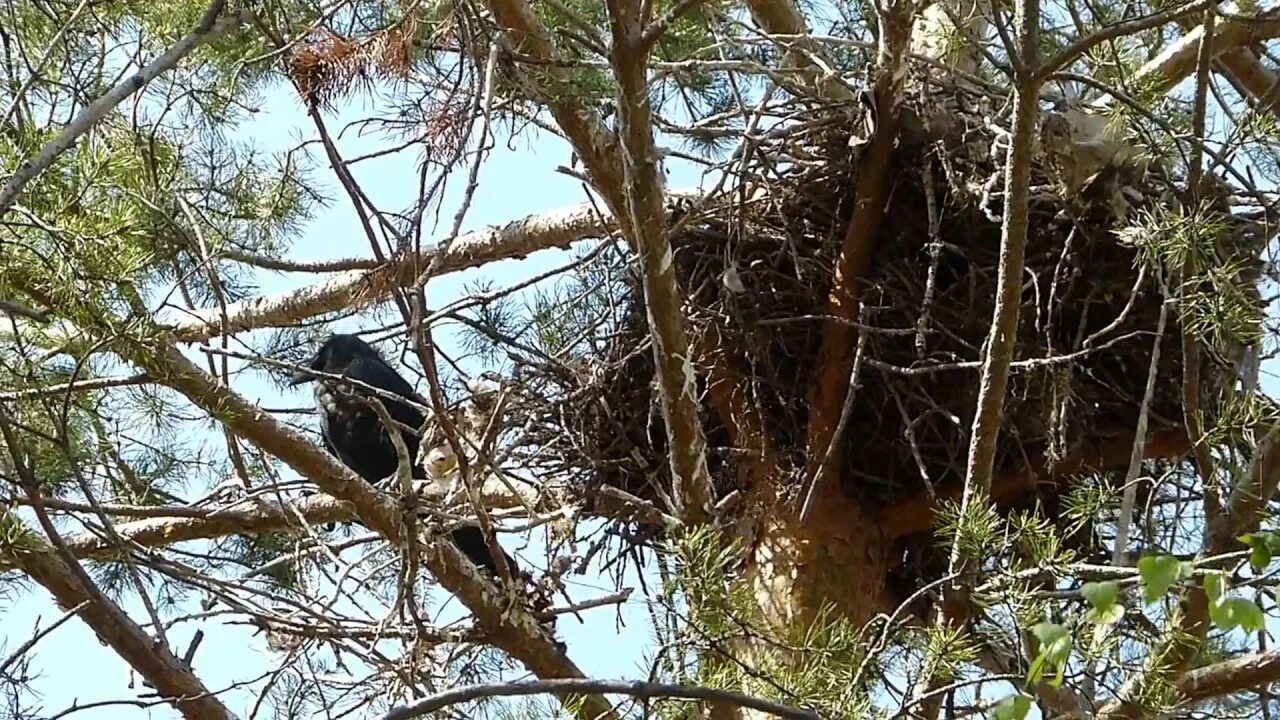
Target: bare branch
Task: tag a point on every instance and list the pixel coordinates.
(783, 17)
(663, 299)
(641, 690)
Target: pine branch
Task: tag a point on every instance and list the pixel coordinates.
(514, 630)
(207, 30)
(164, 671)
(1230, 676)
(361, 288)
(61, 575)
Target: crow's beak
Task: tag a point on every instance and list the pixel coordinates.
(300, 377)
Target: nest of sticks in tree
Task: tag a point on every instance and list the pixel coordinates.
(757, 269)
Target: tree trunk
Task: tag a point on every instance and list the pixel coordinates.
(836, 558)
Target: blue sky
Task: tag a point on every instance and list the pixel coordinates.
(514, 182)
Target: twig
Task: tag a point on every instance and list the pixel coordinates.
(846, 411)
(30, 642)
(1139, 439)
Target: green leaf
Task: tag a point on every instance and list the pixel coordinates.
(1260, 558)
(1159, 573)
(1101, 595)
(1214, 585)
(1014, 707)
(1264, 546)
(1110, 616)
(1055, 648)
(1237, 612)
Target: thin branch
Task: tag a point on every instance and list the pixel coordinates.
(1130, 486)
(641, 690)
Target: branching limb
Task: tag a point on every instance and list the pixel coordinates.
(663, 299)
(60, 574)
(516, 632)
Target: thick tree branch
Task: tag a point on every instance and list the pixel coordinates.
(783, 17)
(170, 676)
(514, 630)
(848, 282)
(1229, 676)
(595, 145)
(663, 299)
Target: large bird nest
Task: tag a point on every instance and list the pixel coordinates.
(757, 269)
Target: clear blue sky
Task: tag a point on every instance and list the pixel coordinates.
(513, 183)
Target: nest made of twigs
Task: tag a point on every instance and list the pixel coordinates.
(758, 273)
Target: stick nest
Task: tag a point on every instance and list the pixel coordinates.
(757, 269)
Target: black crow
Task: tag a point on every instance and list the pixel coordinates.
(354, 433)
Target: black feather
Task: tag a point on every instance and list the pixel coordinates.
(354, 433)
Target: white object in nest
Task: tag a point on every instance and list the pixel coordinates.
(441, 461)
(441, 466)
